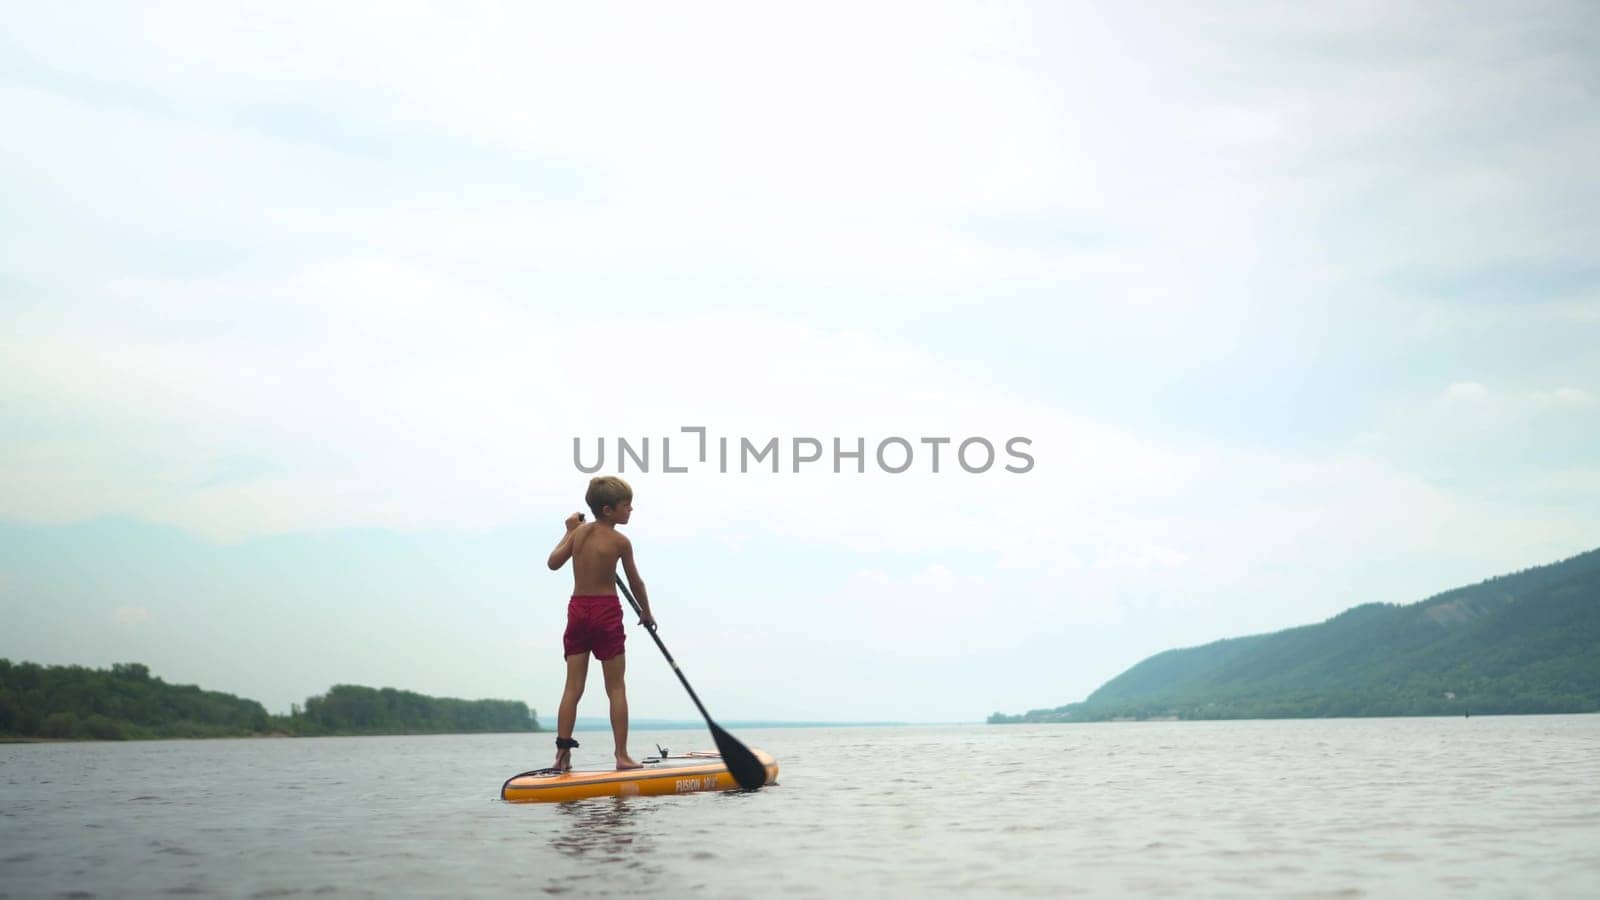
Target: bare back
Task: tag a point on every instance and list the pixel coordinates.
(596, 548)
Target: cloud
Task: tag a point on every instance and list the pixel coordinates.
(1509, 404)
(1464, 393)
(406, 399)
(1239, 125)
(394, 396)
(402, 398)
(1490, 442)
(130, 616)
(1146, 556)
(1563, 398)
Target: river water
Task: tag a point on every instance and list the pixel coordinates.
(1491, 806)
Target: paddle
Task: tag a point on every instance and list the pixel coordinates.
(746, 769)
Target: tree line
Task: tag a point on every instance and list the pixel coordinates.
(127, 702)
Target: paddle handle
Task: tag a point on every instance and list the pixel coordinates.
(664, 652)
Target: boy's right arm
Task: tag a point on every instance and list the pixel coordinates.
(563, 550)
(636, 583)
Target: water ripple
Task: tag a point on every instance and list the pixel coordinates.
(1332, 808)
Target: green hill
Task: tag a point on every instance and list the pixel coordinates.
(126, 701)
(1522, 643)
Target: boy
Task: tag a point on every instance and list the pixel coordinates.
(594, 616)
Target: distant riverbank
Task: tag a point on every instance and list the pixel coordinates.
(126, 702)
(588, 723)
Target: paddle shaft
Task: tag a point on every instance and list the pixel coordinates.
(664, 652)
(750, 772)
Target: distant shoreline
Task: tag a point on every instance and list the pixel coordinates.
(582, 727)
(14, 739)
(1352, 718)
(691, 726)
(596, 724)
(127, 702)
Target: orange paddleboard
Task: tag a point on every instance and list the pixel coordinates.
(670, 775)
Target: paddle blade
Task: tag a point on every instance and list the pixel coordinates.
(746, 769)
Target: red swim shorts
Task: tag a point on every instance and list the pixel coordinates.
(594, 623)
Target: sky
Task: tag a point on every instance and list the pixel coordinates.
(302, 309)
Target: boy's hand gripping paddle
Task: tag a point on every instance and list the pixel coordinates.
(746, 769)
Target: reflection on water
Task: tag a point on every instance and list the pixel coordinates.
(602, 827)
(609, 841)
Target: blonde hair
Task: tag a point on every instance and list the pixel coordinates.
(607, 490)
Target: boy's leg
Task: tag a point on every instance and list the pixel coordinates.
(613, 669)
(567, 714)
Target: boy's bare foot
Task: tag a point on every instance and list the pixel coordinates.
(624, 761)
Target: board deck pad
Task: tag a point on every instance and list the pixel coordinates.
(683, 774)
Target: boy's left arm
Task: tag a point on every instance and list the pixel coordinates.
(646, 617)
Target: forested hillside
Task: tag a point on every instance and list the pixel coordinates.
(1522, 643)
